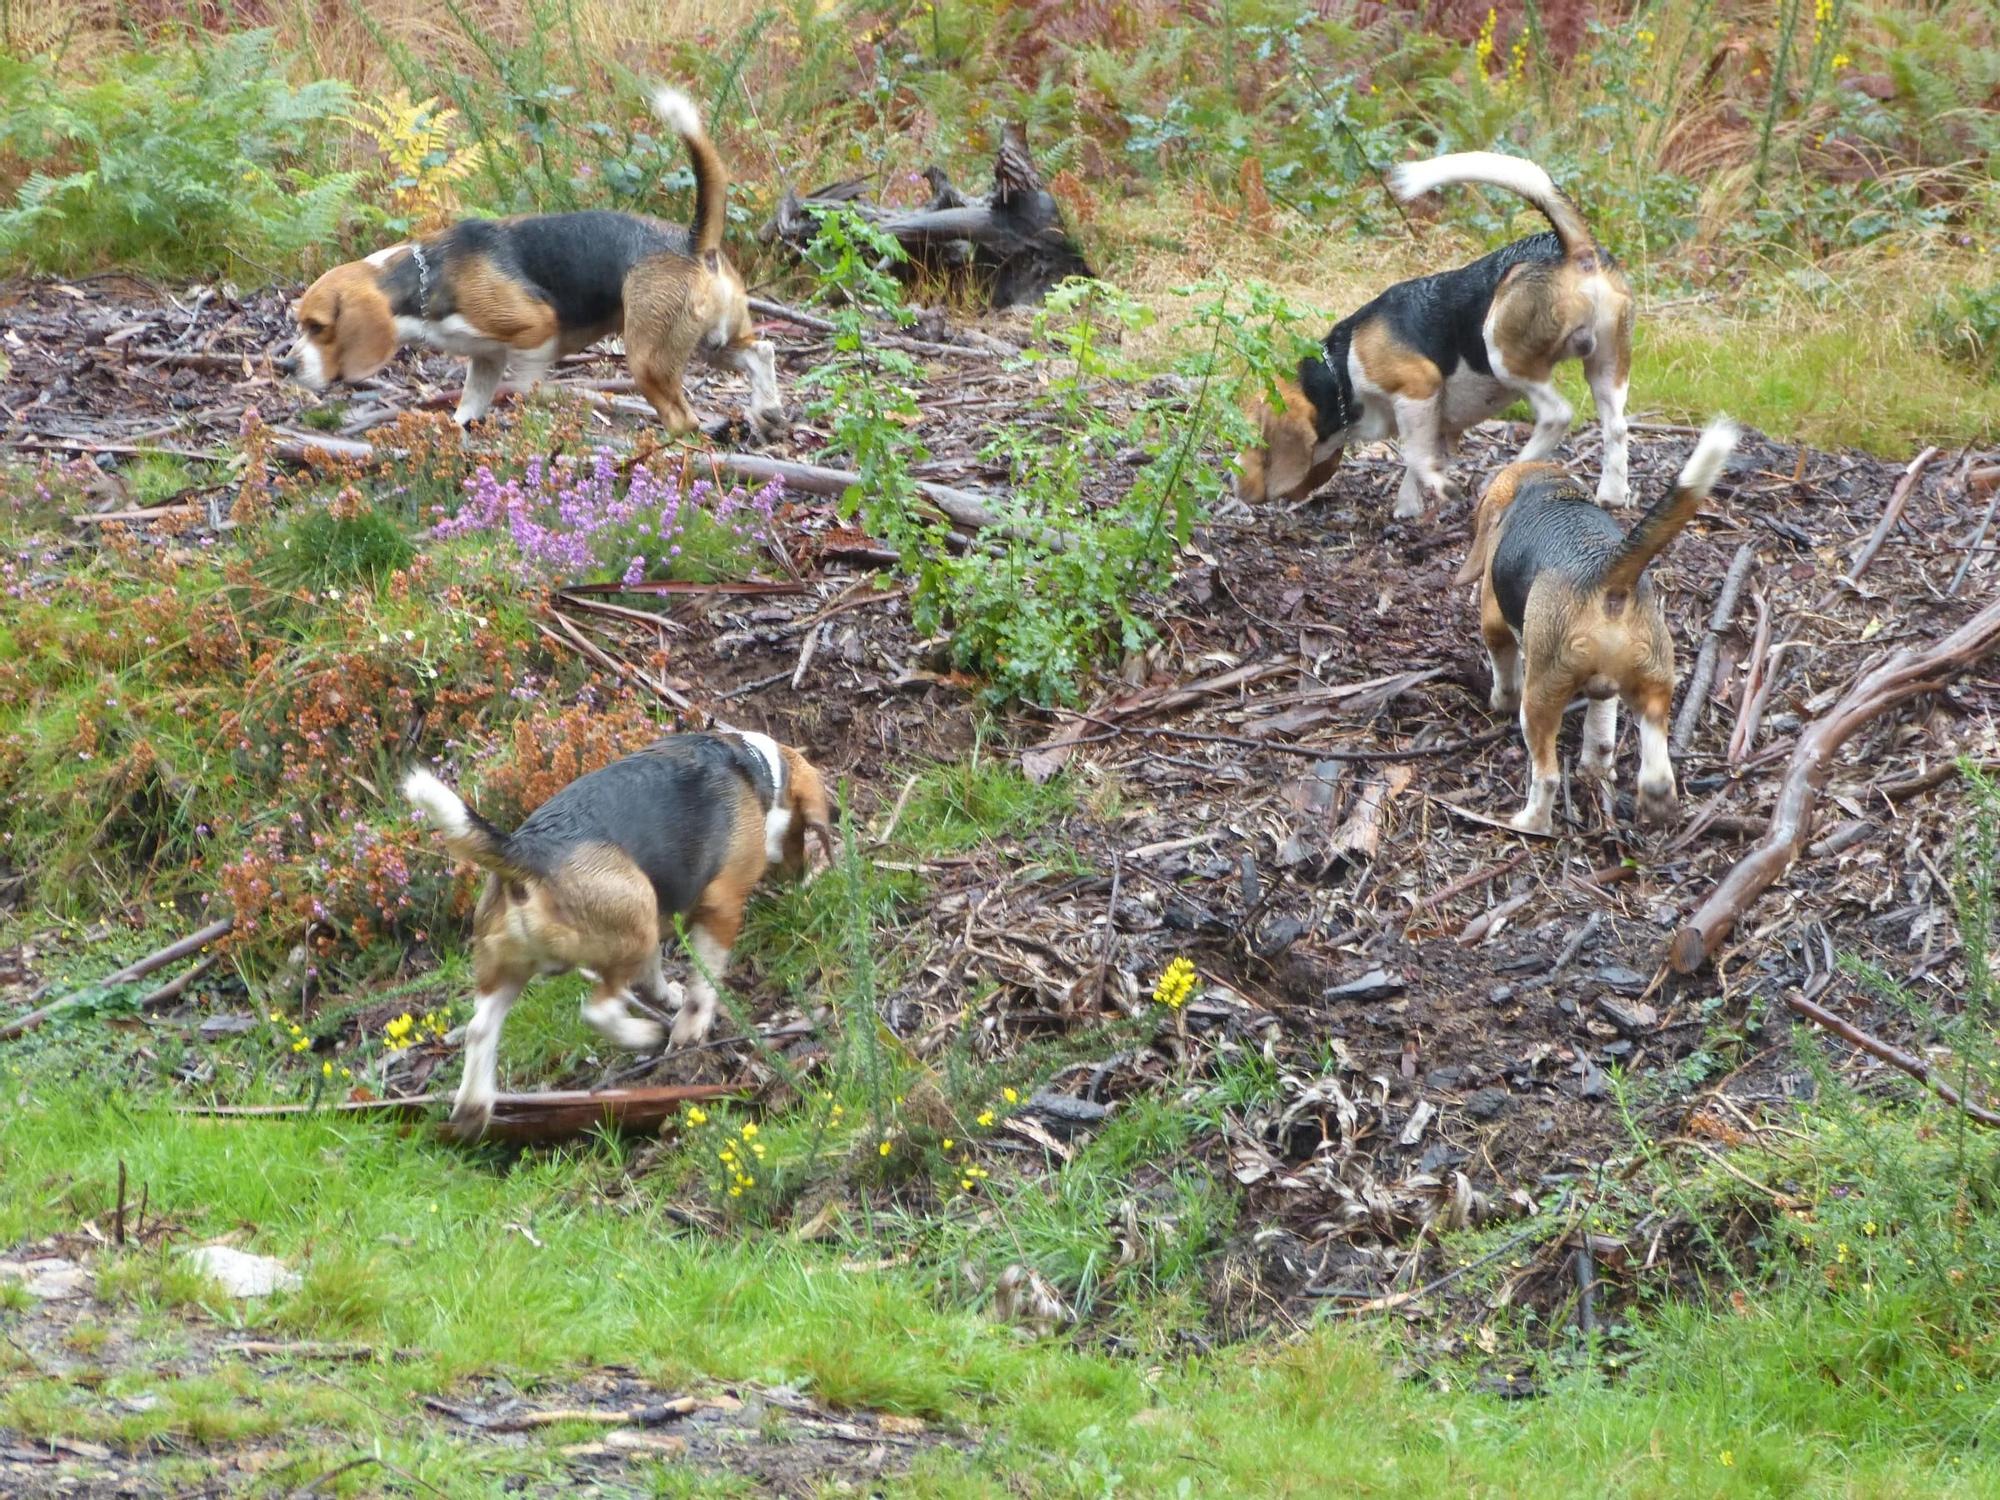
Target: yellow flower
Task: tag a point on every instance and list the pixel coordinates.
(326, 1070)
(697, 1115)
(1840, 1252)
(758, 1150)
(883, 1149)
(1841, 60)
(1010, 1096)
(965, 1184)
(947, 1143)
(1728, 1459)
(736, 1192)
(985, 1117)
(749, 1132)
(301, 1044)
(1175, 985)
(400, 1027)
(346, 1073)
(1868, 1228)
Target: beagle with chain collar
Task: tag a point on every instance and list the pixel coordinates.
(523, 292)
(1567, 611)
(1434, 356)
(595, 878)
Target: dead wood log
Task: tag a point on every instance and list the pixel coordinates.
(1711, 645)
(1896, 1057)
(989, 348)
(1013, 244)
(1977, 480)
(523, 1119)
(194, 942)
(1893, 680)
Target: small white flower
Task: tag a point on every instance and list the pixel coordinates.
(409, 635)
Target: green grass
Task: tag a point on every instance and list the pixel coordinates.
(405, 1245)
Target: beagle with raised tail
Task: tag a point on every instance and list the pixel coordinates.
(1432, 357)
(521, 293)
(595, 878)
(1567, 611)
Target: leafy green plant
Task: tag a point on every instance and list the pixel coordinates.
(1965, 325)
(188, 158)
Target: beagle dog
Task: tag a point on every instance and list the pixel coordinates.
(1432, 357)
(1566, 611)
(525, 291)
(595, 878)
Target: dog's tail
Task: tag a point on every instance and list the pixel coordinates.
(711, 179)
(466, 834)
(1412, 179)
(1670, 514)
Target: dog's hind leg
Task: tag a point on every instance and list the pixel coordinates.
(479, 1087)
(1503, 651)
(1658, 798)
(1542, 706)
(1608, 389)
(1600, 740)
(757, 361)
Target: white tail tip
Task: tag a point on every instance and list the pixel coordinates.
(1711, 452)
(1412, 179)
(436, 801)
(676, 111)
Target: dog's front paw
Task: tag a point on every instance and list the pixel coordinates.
(768, 425)
(1505, 698)
(637, 1034)
(1599, 763)
(692, 1026)
(1659, 804)
(1613, 495)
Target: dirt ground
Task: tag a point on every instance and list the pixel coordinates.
(1444, 996)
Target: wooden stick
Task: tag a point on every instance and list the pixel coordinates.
(1466, 883)
(1891, 513)
(1896, 1057)
(769, 309)
(193, 943)
(519, 1118)
(604, 659)
(1711, 646)
(174, 988)
(1753, 678)
(1979, 478)
(1893, 680)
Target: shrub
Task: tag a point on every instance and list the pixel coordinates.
(181, 160)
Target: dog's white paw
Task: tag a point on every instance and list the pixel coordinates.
(470, 1115)
(693, 1024)
(1505, 698)
(1531, 820)
(1599, 763)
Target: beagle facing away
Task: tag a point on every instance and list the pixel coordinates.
(1434, 356)
(595, 877)
(1566, 611)
(525, 291)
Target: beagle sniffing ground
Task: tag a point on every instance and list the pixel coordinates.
(595, 877)
(521, 293)
(1566, 611)
(1434, 356)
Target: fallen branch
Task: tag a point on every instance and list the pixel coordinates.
(1896, 1057)
(1988, 478)
(194, 942)
(1711, 645)
(1891, 681)
(571, 636)
(528, 1421)
(524, 1119)
(792, 315)
(1751, 700)
(1891, 514)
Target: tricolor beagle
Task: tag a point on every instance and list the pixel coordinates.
(1566, 611)
(1432, 357)
(526, 291)
(594, 878)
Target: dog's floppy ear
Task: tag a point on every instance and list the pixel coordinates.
(810, 803)
(1486, 523)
